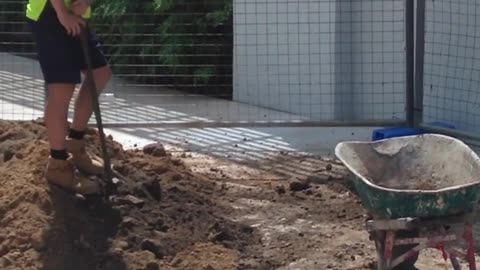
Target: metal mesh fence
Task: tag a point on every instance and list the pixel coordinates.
(241, 61)
(327, 60)
(18, 80)
(451, 89)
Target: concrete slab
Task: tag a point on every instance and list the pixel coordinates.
(21, 84)
(22, 98)
(225, 141)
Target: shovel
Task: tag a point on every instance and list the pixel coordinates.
(110, 187)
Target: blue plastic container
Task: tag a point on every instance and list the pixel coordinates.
(386, 133)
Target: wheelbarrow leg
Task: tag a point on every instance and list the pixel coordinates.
(380, 259)
(388, 252)
(468, 235)
(379, 238)
(455, 264)
(453, 255)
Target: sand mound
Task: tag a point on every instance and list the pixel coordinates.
(162, 218)
(172, 214)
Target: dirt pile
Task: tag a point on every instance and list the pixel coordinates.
(185, 212)
(163, 218)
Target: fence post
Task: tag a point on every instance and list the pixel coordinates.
(410, 61)
(419, 62)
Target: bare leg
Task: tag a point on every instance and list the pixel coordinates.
(56, 113)
(83, 104)
(59, 171)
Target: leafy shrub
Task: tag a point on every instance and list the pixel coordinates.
(186, 44)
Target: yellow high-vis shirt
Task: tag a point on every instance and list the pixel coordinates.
(36, 7)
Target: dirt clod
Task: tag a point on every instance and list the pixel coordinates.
(121, 245)
(19, 156)
(176, 177)
(8, 155)
(176, 162)
(128, 222)
(154, 189)
(5, 262)
(155, 149)
(160, 225)
(3, 250)
(280, 189)
(299, 185)
(152, 246)
(328, 167)
(152, 266)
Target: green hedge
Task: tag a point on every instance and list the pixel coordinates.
(14, 35)
(184, 43)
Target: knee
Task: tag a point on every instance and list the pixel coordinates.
(102, 77)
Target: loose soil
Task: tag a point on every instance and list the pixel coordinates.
(180, 211)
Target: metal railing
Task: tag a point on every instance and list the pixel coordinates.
(271, 63)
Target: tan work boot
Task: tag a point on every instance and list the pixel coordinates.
(81, 159)
(62, 173)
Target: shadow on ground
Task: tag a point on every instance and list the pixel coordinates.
(78, 236)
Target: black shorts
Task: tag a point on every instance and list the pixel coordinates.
(60, 55)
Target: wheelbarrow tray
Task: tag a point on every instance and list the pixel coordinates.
(414, 176)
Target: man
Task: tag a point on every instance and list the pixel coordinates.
(56, 26)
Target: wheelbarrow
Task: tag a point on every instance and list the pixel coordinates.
(415, 189)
